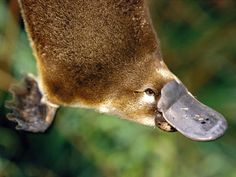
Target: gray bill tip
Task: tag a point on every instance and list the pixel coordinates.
(187, 115)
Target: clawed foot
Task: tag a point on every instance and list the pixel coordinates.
(28, 110)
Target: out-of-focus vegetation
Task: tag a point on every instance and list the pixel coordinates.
(198, 43)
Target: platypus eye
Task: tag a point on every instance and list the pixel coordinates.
(149, 92)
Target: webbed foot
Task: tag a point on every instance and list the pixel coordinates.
(29, 110)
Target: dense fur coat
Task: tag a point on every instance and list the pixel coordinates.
(91, 52)
(104, 55)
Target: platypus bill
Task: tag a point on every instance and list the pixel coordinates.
(104, 55)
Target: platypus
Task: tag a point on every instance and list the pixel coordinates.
(104, 55)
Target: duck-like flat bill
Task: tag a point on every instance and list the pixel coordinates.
(187, 115)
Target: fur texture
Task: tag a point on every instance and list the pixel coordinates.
(97, 53)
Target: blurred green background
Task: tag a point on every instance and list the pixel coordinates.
(198, 40)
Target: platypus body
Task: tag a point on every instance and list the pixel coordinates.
(104, 55)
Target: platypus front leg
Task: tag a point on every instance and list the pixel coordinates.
(29, 109)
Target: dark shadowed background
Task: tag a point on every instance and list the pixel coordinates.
(198, 40)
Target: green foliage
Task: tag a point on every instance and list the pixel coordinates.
(198, 43)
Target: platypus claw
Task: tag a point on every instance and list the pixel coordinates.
(28, 110)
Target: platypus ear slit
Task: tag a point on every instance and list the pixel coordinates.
(27, 108)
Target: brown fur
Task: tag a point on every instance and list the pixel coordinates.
(90, 52)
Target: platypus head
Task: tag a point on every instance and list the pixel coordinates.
(148, 93)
